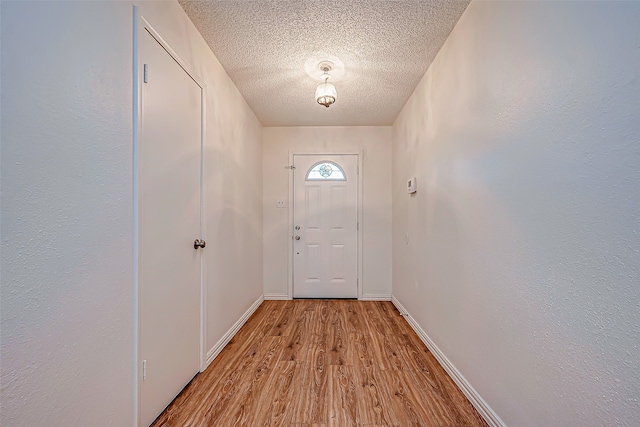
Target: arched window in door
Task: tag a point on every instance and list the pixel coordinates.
(325, 171)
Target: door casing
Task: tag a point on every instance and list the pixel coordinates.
(360, 155)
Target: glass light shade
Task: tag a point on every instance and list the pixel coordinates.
(326, 94)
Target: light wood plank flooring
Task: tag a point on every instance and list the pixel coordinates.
(323, 363)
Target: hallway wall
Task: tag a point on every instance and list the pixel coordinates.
(375, 141)
(67, 290)
(521, 253)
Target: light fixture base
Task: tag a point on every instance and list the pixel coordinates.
(325, 66)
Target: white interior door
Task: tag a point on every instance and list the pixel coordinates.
(169, 222)
(325, 244)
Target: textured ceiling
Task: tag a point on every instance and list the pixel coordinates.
(271, 50)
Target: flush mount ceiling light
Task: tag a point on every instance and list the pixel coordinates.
(326, 92)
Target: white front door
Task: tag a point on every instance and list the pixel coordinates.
(325, 244)
(169, 222)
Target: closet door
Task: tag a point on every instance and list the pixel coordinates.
(169, 222)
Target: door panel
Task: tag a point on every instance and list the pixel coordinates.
(169, 221)
(325, 263)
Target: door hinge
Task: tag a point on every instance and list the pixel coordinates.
(144, 370)
(145, 73)
(292, 167)
(358, 226)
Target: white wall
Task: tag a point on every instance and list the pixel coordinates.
(523, 256)
(376, 199)
(67, 300)
(66, 216)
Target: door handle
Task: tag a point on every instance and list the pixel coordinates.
(198, 243)
(297, 237)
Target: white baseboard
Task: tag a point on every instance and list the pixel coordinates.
(276, 297)
(376, 297)
(476, 400)
(217, 348)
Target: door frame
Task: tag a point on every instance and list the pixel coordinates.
(359, 231)
(140, 24)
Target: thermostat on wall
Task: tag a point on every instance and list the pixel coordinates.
(411, 185)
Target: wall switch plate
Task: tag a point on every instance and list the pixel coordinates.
(281, 203)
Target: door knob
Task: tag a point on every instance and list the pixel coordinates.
(297, 227)
(297, 237)
(198, 243)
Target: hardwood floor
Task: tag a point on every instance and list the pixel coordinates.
(319, 363)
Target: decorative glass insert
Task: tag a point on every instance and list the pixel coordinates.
(326, 171)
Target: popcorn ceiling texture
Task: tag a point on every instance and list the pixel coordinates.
(385, 46)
